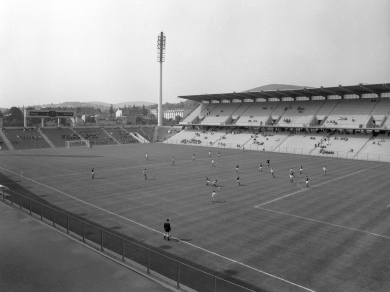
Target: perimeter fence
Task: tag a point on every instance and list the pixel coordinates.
(169, 270)
(291, 150)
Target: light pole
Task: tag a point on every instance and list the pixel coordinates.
(161, 41)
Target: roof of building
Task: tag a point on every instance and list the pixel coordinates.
(308, 92)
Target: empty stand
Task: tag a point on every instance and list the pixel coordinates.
(221, 114)
(350, 114)
(257, 114)
(300, 113)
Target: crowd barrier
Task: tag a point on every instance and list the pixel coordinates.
(291, 150)
(169, 270)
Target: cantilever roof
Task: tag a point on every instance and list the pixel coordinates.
(293, 93)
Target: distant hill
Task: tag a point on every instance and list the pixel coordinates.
(276, 87)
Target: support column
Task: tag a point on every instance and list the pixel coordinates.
(42, 122)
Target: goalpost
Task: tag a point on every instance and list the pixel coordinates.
(77, 143)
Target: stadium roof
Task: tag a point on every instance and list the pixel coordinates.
(340, 90)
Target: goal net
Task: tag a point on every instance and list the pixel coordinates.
(78, 143)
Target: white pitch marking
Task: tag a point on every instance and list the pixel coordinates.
(185, 242)
(302, 190)
(327, 223)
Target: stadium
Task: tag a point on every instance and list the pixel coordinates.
(268, 233)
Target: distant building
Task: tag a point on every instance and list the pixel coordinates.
(128, 114)
(171, 114)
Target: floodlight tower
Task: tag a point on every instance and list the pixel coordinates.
(161, 41)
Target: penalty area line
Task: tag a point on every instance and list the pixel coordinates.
(326, 182)
(154, 230)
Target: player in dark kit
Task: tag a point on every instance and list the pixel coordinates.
(268, 162)
(307, 181)
(93, 173)
(144, 172)
(167, 229)
(237, 168)
(238, 180)
(261, 167)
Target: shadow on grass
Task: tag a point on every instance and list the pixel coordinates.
(119, 243)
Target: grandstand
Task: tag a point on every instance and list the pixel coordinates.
(296, 120)
(25, 138)
(58, 136)
(97, 136)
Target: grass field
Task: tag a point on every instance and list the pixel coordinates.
(267, 234)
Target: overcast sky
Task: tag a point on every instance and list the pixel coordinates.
(55, 51)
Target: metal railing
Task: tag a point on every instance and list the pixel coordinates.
(169, 270)
(291, 150)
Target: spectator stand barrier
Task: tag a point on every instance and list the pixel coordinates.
(171, 271)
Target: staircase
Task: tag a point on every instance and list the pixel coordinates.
(46, 139)
(6, 141)
(371, 138)
(109, 135)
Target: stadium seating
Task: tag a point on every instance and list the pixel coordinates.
(58, 136)
(220, 114)
(194, 114)
(96, 135)
(341, 145)
(379, 113)
(350, 114)
(28, 138)
(121, 135)
(300, 113)
(164, 133)
(379, 145)
(257, 114)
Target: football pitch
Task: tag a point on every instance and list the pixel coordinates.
(267, 234)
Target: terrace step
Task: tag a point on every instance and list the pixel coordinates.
(6, 141)
(109, 135)
(46, 139)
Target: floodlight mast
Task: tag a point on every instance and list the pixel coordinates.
(161, 41)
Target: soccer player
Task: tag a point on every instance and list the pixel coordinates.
(272, 172)
(207, 181)
(238, 180)
(291, 177)
(167, 229)
(193, 156)
(93, 173)
(307, 181)
(219, 153)
(144, 172)
(209, 153)
(173, 160)
(300, 170)
(324, 169)
(268, 162)
(215, 183)
(292, 171)
(212, 196)
(237, 168)
(212, 163)
(146, 156)
(261, 167)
